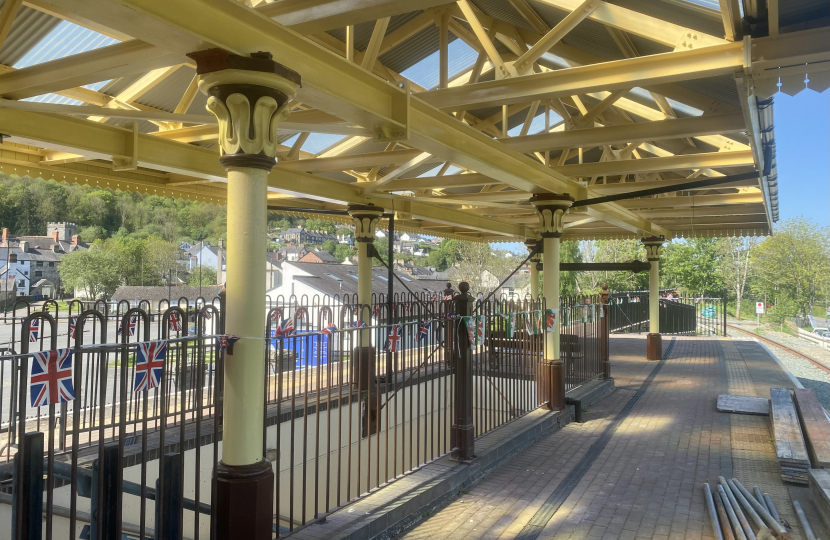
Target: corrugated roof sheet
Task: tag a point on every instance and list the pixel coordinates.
(28, 29)
(64, 40)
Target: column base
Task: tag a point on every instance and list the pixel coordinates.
(654, 347)
(463, 438)
(244, 501)
(556, 387)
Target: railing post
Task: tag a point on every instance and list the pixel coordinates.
(463, 431)
(27, 489)
(723, 329)
(104, 502)
(604, 334)
(169, 499)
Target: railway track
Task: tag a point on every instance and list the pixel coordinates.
(783, 347)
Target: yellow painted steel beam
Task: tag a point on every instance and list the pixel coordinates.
(675, 223)
(351, 162)
(626, 187)
(313, 16)
(712, 160)
(439, 182)
(110, 62)
(100, 141)
(607, 76)
(99, 175)
(698, 200)
(681, 128)
(701, 211)
(330, 83)
(640, 24)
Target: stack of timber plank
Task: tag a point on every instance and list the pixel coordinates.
(820, 493)
(815, 425)
(789, 441)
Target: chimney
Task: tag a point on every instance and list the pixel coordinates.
(76, 239)
(5, 235)
(24, 246)
(55, 235)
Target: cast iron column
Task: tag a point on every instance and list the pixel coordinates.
(249, 96)
(654, 343)
(365, 218)
(463, 431)
(551, 209)
(604, 327)
(532, 243)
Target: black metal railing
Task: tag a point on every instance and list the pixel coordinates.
(336, 424)
(679, 315)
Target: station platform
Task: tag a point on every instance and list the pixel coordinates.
(636, 466)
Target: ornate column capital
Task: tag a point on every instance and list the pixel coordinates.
(366, 218)
(653, 246)
(249, 96)
(531, 244)
(551, 209)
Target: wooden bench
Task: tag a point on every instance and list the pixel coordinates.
(816, 427)
(789, 442)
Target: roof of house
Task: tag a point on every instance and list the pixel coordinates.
(160, 292)
(43, 243)
(324, 256)
(339, 279)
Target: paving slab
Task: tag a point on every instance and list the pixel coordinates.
(636, 466)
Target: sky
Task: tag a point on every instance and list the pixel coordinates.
(802, 145)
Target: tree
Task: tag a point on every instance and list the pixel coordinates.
(609, 251)
(794, 264)
(342, 251)
(207, 273)
(692, 265)
(162, 258)
(735, 265)
(480, 267)
(569, 253)
(330, 246)
(444, 256)
(92, 233)
(92, 273)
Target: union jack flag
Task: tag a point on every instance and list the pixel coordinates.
(330, 329)
(376, 310)
(131, 326)
(275, 316)
(149, 365)
(423, 330)
(407, 308)
(34, 330)
(51, 380)
(285, 328)
(393, 339)
(73, 324)
(208, 315)
(447, 297)
(175, 322)
(226, 341)
(359, 324)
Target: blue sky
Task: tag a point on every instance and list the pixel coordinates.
(802, 140)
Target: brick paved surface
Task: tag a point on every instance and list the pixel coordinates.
(646, 483)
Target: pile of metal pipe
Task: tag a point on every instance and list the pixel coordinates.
(735, 513)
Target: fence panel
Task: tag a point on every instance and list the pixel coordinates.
(337, 424)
